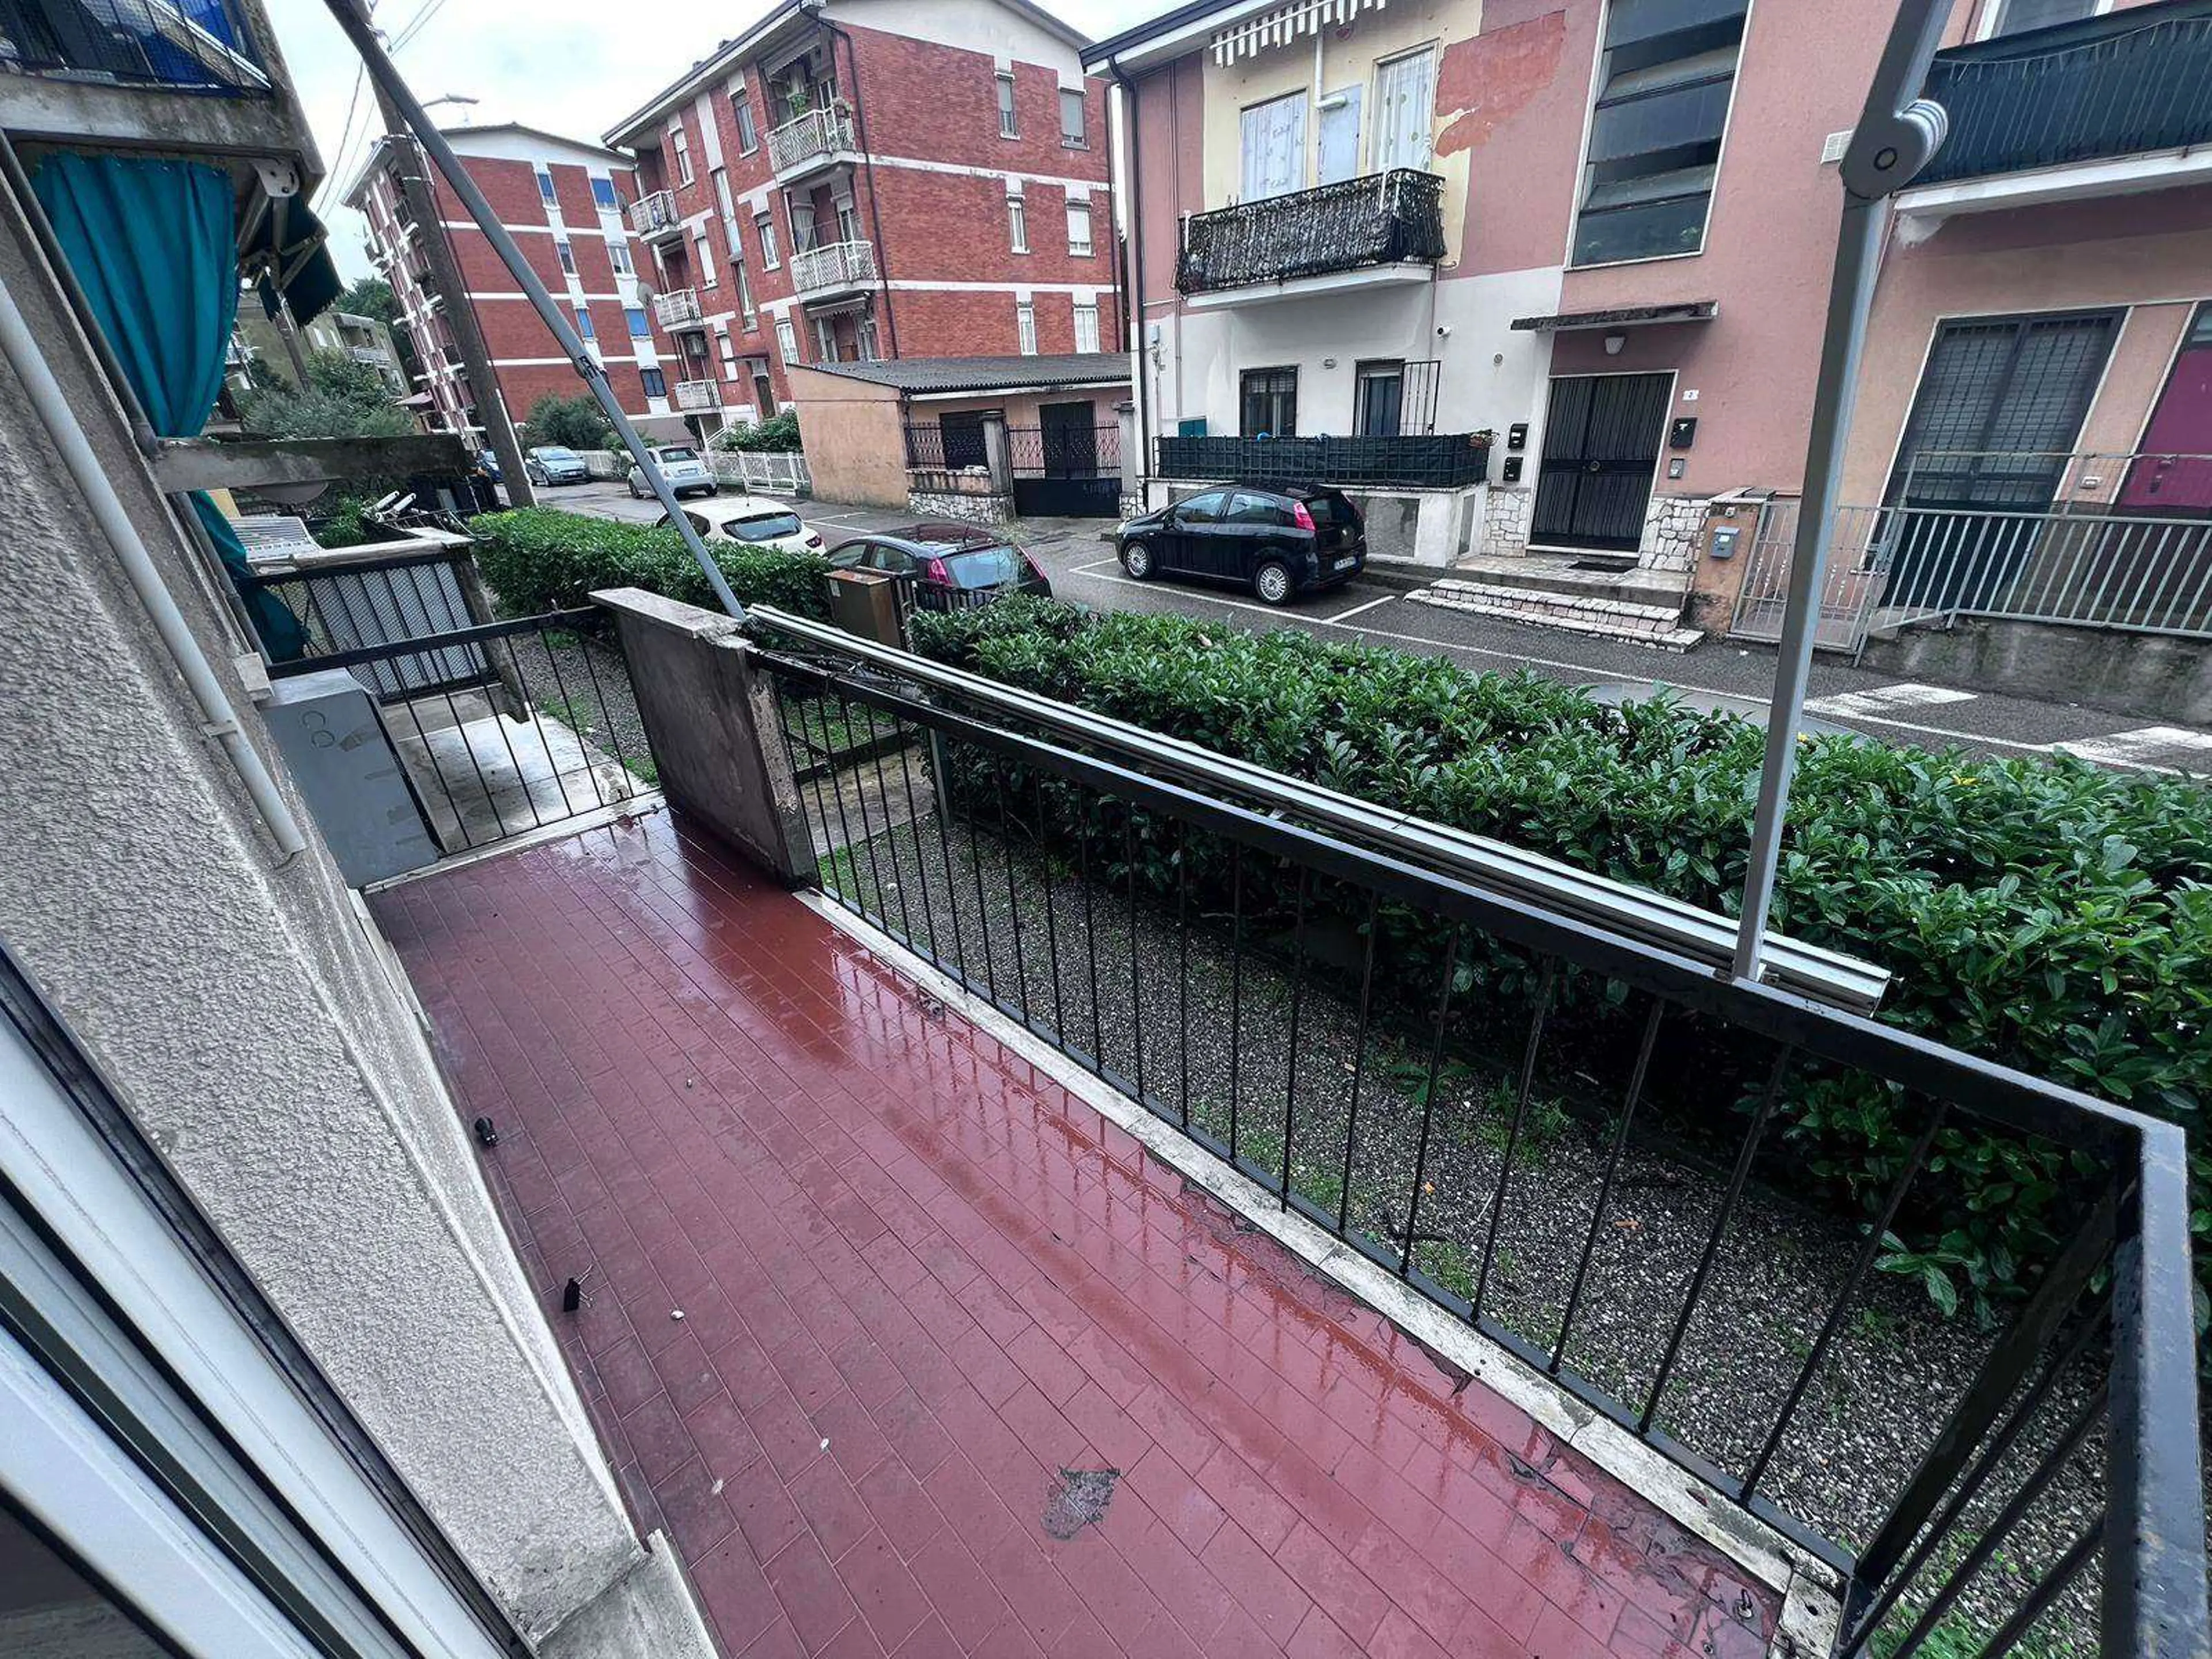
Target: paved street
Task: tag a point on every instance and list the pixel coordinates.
(1719, 674)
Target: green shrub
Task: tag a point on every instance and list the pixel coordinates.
(2039, 913)
(779, 433)
(539, 559)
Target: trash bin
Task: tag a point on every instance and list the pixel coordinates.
(866, 602)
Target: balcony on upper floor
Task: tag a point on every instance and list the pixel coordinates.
(654, 214)
(819, 138)
(833, 269)
(2107, 106)
(695, 396)
(1384, 227)
(678, 309)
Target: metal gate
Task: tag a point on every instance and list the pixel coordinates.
(1853, 584)
(1602, 437)
(1063, 469)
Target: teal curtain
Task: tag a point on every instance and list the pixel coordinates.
(149, 242)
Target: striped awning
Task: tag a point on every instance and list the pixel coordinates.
(1283, 24)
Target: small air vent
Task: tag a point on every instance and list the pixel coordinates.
(1833, 146)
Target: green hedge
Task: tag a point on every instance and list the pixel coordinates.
(2039, 912)
(539, 558)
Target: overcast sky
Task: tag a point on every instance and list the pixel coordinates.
(569, 66)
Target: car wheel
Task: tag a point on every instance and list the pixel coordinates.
(1136, 559)
(635, 494)
(1272, 582)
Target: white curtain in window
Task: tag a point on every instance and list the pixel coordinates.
(1274, 146)
(1404, 111)
(1087, 328)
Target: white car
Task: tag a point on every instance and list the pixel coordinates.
(751, 521)
(684, 467)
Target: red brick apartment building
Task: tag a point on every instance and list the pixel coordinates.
(563, 202)
(862, 180)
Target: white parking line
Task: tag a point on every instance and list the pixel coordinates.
(1357, 609)
(2132, 749)
(1095, 564)
(1905, 694)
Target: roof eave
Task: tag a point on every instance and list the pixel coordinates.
(649, 114)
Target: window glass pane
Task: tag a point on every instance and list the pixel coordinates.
(1203, 509)
(2017, 16)
(1017, 228)
(567, 256)
(639, 328)
(656, 383)
(1273, 144)
(1629, 21)
(985, 567)
(1007, 106)
(1087, 328)
(1683, 119)
(1640, 233)
(1404, 111)
(584, 326)
(1071, 116)
(545, 186)
(764, 527)
(1252, 509)
(603, 194)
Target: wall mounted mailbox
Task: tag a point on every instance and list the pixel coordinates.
(1517, 436)
(1682, 432)
(1510, 473)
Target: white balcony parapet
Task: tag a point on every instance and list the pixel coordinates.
(833, 265)
(819, 132)
(678, 309)
(693, 396)
(654, 214)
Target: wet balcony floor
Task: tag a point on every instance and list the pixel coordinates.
(960, 1369)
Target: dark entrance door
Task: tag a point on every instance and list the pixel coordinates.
(1602, 437)
(1066, 465)
(1998, 411)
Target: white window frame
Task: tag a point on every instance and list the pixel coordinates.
(865, 339)
(1078, 217)
(1986, 27)
(619, 257)
(764, 225)
(1379, 127)
(705, 252)
(747, 310)
(547, 195)
(1018, 223)
(825, 340)
(613, 190)
(741, 115)
(1086, 323)
(681, 141)
(565, 251)
(1009, 113)
(1025, 334)
(1081, 138)
(787, 341)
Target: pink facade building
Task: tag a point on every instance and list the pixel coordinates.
(563, 202)
(1601, 232)
(860, 181)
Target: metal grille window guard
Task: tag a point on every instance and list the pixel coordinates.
(825, 131)
(833, 265)
(502, 728)
(191, 46)
(1444, 460)
(1381, 219)
(1480, 1097)
(2132, 81)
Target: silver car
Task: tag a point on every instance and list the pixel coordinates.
(685, 469)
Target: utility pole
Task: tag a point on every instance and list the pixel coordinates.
(404, 156)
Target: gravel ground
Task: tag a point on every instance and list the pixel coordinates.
(1172, 1003)
(584, 683)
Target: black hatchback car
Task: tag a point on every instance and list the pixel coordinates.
(946, 566)
(1279, 540)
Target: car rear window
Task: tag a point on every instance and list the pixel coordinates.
(764, 527)
(549, 453)
(984, 567)
(680, 453)
(1328, 510)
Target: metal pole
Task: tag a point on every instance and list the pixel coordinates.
(353, 18)
(1899, 133)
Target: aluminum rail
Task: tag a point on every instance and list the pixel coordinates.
(1701, 936)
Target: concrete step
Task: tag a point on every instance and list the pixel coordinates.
(1558, 573)
(1659, 626)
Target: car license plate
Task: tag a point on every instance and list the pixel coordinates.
(1344, 565)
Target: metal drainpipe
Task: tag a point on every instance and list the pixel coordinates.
(1132, 284)
(868, 160)
(218, 717)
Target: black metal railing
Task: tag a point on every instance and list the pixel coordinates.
(349, 604)
(1065, 452)
(1382, 219)
(504, 727)
(1444, 459)
(1581, 1145)
(2133, 80)
(189, 45)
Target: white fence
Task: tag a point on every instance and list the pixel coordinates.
(768, 472)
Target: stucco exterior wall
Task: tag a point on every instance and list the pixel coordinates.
(855, 439)
(245, 1015)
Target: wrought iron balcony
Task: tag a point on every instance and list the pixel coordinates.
(693, 396)
(833, 266)
(1384, 218)
(817, 134)
(196, 45)
(1442, 461)
(678, 309)
(654, 215)
(2126, 83)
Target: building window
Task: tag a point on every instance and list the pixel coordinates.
(1072, 133)
(619, 257)
(2019, 16)
(863, 338)
(745, 291)
(1078, 228)
(1405, 112)
(603, 195)
(1025, 327)
(640, 329)
(656, 383)
(1654, 135)
(825, 340)
(765, 225)
(1006, 129)
(566, 254)
(584, 326)
(1018, 225)
(545, 188)
(1268, 403)
(1378, 398)
(1086, 325)
(707, 277)
(741, 107)
(960, 438)
(1273, 146)
(683, 154)
(787, 339)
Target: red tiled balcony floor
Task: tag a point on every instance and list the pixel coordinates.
(919, 1280)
